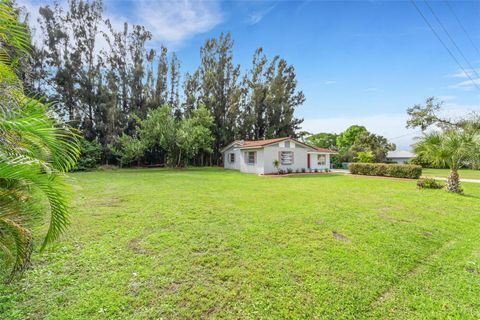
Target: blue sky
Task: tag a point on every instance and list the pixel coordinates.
(361, 62)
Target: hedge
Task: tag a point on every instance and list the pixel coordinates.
(388, 170)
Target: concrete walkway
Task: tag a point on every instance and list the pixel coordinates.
(345, 171)
(461, 180)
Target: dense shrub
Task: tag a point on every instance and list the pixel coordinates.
(429, 183)
(388, 170)
(281, 171)
(303, 170)
(90, 155)
(289, 170)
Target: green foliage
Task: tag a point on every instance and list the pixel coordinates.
(323, 140)
(160, 128)
(182, 139)
(194, 134)
(276, 164)
(357, 139)
(90, 155)
(35, 151)
(129, 149)
(421, 161)
(389, 170)
(365, 157)
(425, 116)
(347, 138)
(376, 145)
(451, 147)
(428, 183)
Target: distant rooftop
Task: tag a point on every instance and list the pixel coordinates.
(400, 154)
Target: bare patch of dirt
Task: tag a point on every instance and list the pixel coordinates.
(393, 219)
(172, 288)
(199, 250)
(109, 202)
(472, 270)
(134, 284)
(136, 246)
(339, 236)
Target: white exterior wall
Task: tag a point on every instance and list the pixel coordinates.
(314, 161)
(271, 153)
(252, 168)
(226, 159)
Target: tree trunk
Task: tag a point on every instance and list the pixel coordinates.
(453, 182)
(179, 158)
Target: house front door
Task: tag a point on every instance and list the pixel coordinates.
(308, 160)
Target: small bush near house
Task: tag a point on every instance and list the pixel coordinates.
(303, 170)
(327, 170)
(289, 170)
(316, 170)
(387, 170)
(281, 171)
(429, 183)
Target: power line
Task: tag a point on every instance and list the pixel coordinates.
(451, 38)
(443, 43)
(404, 135)
(461, 26)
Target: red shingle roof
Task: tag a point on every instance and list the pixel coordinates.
(325, 150)
(261, 143)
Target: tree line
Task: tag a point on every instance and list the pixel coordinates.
(108, 91)
(355, 144)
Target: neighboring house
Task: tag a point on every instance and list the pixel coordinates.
(400, 156)
(258, 156)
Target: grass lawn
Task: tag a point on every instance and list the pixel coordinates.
(443, 173)
(209, 243)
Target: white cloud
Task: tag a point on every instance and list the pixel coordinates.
(470, 76)
(328, 82)
(446, 98)
(467, 84)
(463, 74)
(257, 16)
(173, 22)
(170, 22)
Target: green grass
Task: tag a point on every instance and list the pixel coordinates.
(443, 173)
(209, 243)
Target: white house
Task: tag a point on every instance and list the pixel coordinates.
(400, 156)
(258, 156)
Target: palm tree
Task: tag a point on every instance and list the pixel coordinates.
(35, 152)
(450, 147)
